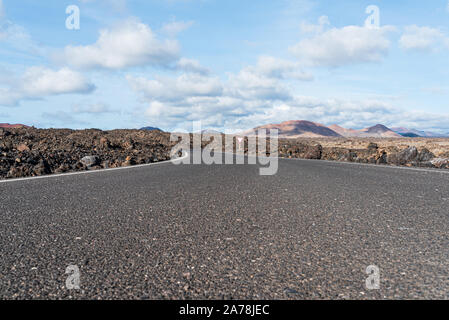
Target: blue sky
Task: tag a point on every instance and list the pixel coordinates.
(231, 64)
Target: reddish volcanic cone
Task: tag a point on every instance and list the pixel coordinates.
(7, 125)
(298, 129)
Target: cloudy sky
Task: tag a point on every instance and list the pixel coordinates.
(232, 64)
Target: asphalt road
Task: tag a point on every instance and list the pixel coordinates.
(223, 231)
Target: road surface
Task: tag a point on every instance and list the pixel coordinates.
(225, 232)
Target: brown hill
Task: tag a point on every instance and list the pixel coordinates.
(377, 131)
(298, 129)
(343, 131)
(7, 125)
(308, 129)
(405, 132)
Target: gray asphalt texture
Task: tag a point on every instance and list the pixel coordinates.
(225, 232)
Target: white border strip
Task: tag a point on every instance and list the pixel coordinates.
(94, 171)
(336, 162)
(386, 166)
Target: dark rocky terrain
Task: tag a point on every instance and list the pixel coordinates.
(416, 152)
(410, 156)
(28, 152)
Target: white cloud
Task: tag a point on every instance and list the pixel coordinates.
(11, 32)
(40, 82)
(175, 89)
(155, 109)
(280, 69)
(93, 108)
(130, 44)
(191, 65)
(194, 96)
(2, 10)
(422, 38)
(15, 39)
(323, 21)
(9, 97)
(342, 46)
(251, 85)
(256, 96)
(173, 28)
(197, 95)
(262, 81)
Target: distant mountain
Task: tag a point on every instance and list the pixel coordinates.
(308, 129)
(410, 135)
(7, 125)
(418, 133)
(343, 131)
(377, 131)
(297, 129)
(151, 129)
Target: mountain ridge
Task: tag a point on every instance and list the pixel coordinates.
(18, 125)
(309, 129)
(151, 129)
(420, 133)
(298, 129)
